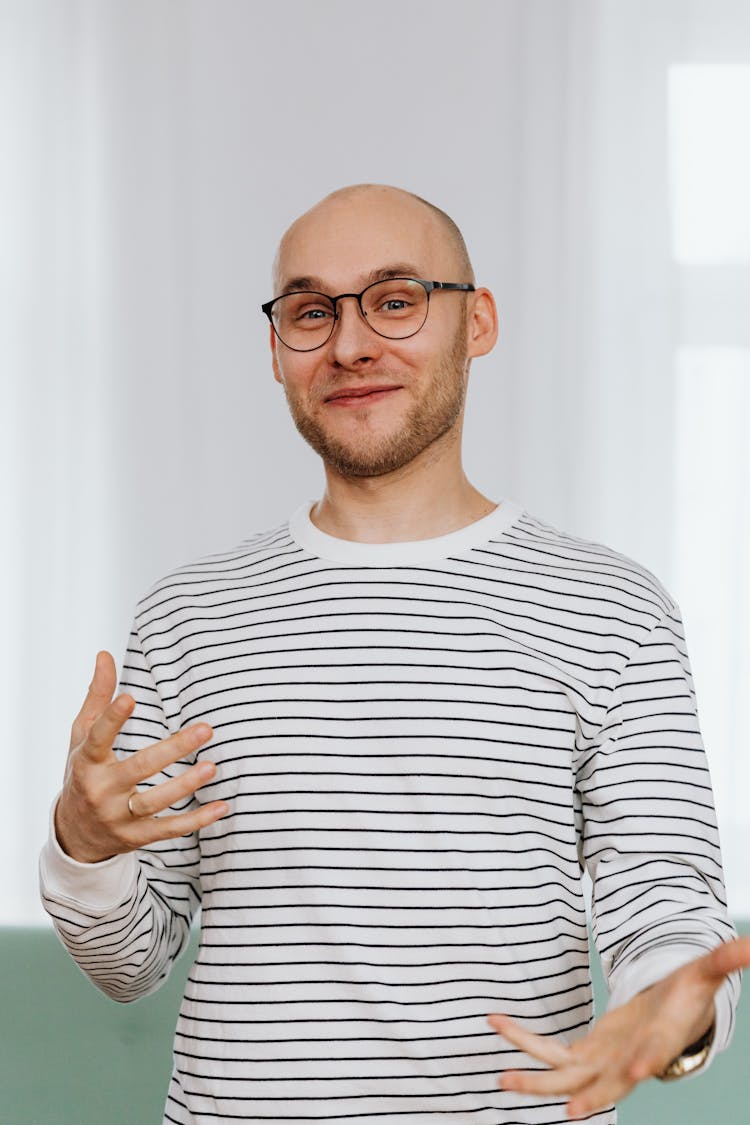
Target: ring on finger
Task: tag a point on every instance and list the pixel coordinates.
(131, 810)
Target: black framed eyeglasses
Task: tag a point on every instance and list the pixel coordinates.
(396, 308)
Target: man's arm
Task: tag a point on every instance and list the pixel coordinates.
(122, 888)
(650, 843)
(628, 1044)
(649, 834)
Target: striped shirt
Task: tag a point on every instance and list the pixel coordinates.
(423, 745)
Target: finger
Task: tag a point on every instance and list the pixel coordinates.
(726, 958)
(164, 795)
(613, 1082)
(156, 828)
(98, 743)
(601, 1094)
(652, 1056)
(559, 1080)
(550, 1051)
(145, 763)
(101, 689)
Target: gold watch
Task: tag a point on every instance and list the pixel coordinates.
(691, 1058)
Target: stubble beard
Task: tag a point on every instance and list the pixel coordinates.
(423, 425)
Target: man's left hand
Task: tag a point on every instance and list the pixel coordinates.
(630, 1043)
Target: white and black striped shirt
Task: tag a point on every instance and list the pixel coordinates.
(422, 744)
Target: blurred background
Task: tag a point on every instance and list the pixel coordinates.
(596, 156)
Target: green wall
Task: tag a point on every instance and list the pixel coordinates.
(71, 1056)
(721, 1096)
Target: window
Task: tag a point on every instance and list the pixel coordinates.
(709, 154)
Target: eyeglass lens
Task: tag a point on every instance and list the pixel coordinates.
(395, 308)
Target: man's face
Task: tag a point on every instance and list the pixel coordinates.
(339, 243)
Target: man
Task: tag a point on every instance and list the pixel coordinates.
(387, 736)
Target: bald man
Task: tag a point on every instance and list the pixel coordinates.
(380, 742)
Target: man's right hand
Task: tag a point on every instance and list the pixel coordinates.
(92, 819)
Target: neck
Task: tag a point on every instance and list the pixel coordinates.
(386, 510)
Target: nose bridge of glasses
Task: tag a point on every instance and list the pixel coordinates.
(337, 306)
(358, 312)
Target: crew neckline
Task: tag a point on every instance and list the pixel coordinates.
(319, 543)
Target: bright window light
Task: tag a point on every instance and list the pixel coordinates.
(709, 162)
(711, 569)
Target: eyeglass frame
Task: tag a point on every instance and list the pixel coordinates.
(427, 285)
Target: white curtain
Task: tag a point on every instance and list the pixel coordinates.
(152, 154)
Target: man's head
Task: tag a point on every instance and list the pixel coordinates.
(336, 244)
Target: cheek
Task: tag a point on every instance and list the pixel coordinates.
(426, 350)
(297, 375)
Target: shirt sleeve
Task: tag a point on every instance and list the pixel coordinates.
(127, 919)
(647, 829)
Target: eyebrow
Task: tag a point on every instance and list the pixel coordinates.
(397, 269)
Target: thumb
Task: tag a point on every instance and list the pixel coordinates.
(726, 958)
(99, 695)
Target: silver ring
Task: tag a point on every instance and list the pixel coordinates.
(130, 807)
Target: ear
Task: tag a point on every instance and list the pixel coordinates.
(274, 356)
(481, 323)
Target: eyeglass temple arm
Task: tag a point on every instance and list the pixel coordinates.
(451, 285)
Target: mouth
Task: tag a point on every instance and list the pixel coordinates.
(353, 396)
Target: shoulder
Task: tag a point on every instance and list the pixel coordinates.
(204, 577)
(582, 568)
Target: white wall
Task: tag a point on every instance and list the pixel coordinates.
(155, 152)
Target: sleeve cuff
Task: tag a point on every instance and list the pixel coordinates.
(650, 968)
(97, 886)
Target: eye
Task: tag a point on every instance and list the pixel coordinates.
(310, 314)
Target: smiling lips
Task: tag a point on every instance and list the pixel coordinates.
(349, 395)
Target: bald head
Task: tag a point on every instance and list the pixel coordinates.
(334, 232)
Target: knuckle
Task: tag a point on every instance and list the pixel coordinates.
(79, 772)
(197, 777)
(141, 764)
(84, 787)
(96, 738)
(167, 829)
(93, 796)
(196, 734)
(91, 737)
(150, 761)
(153, 759)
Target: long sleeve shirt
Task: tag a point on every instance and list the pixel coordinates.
(423, 746)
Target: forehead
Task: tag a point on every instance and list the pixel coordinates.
(342, 246)
(378, 273)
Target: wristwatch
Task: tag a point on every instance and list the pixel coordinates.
(691, 1058)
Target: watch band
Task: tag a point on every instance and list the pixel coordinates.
(691, 1058)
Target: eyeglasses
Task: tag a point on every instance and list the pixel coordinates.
(396, 308)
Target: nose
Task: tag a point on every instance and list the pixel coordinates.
(352, 337)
